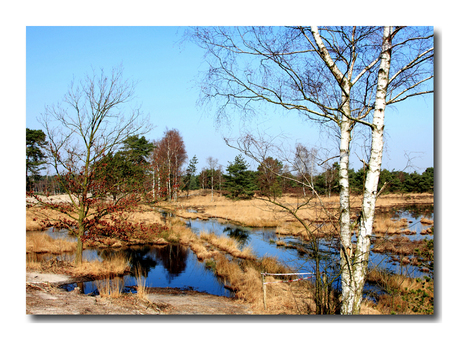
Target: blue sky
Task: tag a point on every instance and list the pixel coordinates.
(167, 72)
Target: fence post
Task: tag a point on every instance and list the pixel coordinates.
(265, 291)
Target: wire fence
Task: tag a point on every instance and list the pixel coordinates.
(286, 281)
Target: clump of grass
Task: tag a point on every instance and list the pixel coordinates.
(425, 221)
(385, 225)
(211, 264)
(140, 279)
(227, 244)
(184, 235)
(397, 245)
(110, 287)
(427, 231)
(55, 264)
(290, 229)
(114, 265)
(405, 295)
(200, 250)
(43, 243)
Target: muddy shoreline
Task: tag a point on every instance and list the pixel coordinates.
(44, 297)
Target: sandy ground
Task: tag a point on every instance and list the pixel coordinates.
(44, 297)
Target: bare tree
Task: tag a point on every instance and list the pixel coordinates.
(88, 124)
(212, 163)
(168, 158)
(305, 163)
(340, 77)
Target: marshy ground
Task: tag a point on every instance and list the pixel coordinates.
(242, 274)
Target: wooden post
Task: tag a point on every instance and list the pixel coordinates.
(265, 292)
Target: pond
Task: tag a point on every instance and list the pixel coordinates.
(173, 266)
(176, 266)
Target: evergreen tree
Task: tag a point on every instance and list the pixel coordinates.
(35, 157)
(239, 182)
(126, 169)
(427, 180)
(190, 178)
(136, 149)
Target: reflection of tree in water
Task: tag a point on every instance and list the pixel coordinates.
(416, 211)
(138, 257)
(268, 234)
(173, 258)
(241, 236)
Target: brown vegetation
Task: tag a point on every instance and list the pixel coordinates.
(240, 270)
(282, 298)
(113, 266)
(399, 245)
(110, 287)
(227, 244)
(42, 243)
(259, 213)
(386, 226)
(426, 221)
(404, 295)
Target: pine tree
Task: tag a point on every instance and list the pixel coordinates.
(35, 157)
(190, 178)
(239, 181)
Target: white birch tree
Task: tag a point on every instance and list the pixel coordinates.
(340, 77)
(212, 168)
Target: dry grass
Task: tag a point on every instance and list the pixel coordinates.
(384, 225)
(34, 215)
(39, 242)
(140, 287)
(397, 245)
(425, 221)
(405, 295)
(282, 298)
(145, 214)
(258, 213)
(110, 287)
(115, 265)
(227, 244)
(184, 235)
(390, 200)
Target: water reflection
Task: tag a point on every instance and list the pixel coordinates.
(173, 266)
(173, 259)
(238, 234)
(177, 266)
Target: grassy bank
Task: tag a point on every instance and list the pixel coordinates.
(404, 295)
(113, 266)
(321, 215)
(240, 269)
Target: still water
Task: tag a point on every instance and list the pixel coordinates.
(173, 266)
(176, 266)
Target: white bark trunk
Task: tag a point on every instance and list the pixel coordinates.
(373, 173)
(154, 186)
(346, 252)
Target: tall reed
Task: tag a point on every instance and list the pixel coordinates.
(110, 287)
(140, 279)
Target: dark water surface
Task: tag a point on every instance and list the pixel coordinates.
(176, 266)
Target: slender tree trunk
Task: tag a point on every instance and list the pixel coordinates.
(373, 172)
(346, 251)
(79, 250)
(212, 185)
(153, 185)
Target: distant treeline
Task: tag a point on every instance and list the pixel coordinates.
(158, 166)
(325, 183)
